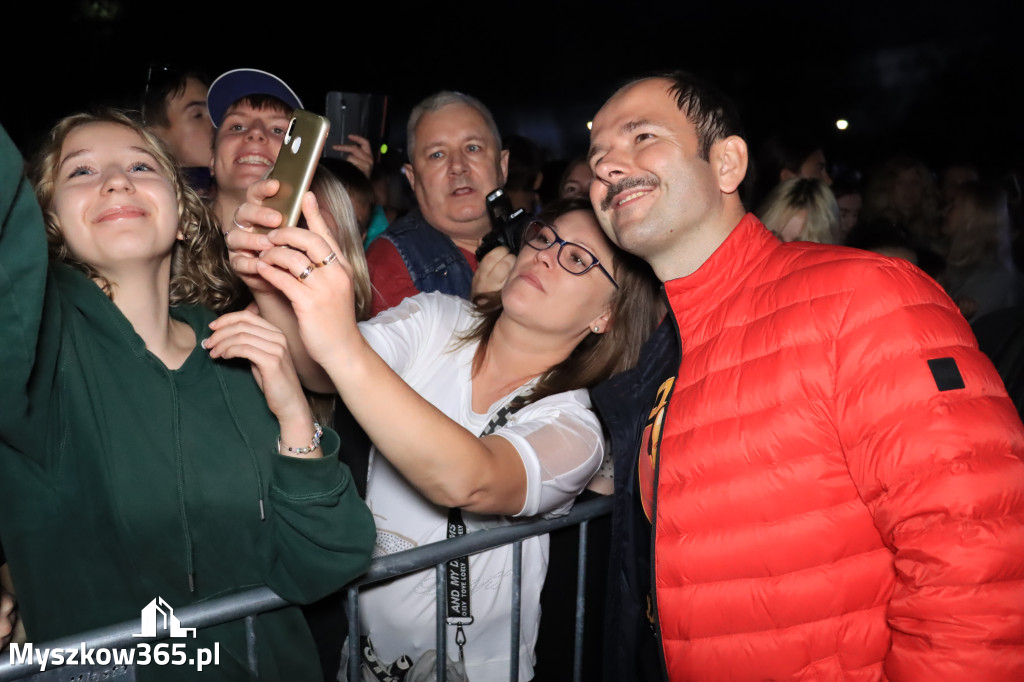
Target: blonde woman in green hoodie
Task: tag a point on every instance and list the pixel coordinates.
(133, 465)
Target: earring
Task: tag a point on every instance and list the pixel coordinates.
(596, 329)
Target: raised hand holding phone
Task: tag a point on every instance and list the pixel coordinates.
(313, 273)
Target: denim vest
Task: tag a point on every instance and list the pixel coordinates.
(431, 257)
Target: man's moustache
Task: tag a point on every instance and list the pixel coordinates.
(622, 186)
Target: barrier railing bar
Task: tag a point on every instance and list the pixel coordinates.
(418, 558)
(354, 645)
(517, 592)
(250, 644)
(261, 599)
(440, 636)
(581, 579)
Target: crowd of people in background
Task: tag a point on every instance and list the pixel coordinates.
(386, 310)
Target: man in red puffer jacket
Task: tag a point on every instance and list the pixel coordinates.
(830, 474)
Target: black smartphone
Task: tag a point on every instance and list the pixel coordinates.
(296, 162)
(360, 113)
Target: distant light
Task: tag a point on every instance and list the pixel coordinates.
(383, 149)
(590, 125)
(842, 124)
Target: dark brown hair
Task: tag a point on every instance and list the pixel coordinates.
(635, 312)
(162, 84)
(712, 113)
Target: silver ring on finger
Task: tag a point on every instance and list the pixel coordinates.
(328, 259)
(307, 271)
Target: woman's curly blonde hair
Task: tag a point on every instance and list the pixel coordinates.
(200, 272)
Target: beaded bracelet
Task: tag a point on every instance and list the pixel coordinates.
(313, 444)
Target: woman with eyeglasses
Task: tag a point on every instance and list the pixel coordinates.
(428, 378)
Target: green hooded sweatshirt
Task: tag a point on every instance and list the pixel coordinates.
(122, 481)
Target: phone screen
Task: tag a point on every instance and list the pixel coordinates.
(363, 114)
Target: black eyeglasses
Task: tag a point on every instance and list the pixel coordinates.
(575, 259)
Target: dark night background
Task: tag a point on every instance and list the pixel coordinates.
(941, 80)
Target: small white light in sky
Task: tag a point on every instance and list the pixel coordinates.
(590, 125)
(842, 124)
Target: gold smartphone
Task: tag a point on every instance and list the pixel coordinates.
(296, 162)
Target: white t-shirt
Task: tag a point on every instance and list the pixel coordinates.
(561, 444)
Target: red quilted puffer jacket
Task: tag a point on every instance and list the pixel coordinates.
(840, 491)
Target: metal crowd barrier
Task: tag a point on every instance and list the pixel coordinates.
(258, 600)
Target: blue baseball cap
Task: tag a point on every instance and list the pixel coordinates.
(231, 86)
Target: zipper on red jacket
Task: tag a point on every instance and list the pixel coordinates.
(652, 595)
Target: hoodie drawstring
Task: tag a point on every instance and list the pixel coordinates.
(238, 427)
(179, 472)
(179, 464)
